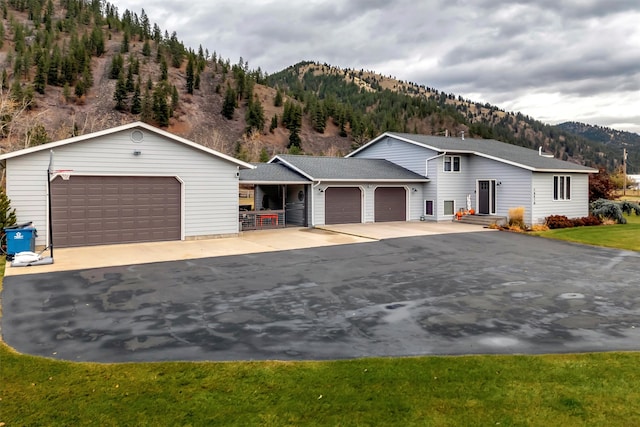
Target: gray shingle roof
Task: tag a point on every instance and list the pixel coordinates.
(272, 172)
(349, 169)
(500, 151)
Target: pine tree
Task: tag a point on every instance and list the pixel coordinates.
(120, 94)
(130, 86)
(274, 123)
(255, 117)
(146, 115)
(161, 108)
(278, 100)
(40, 79)
(190, 75)
(229, 104)
(136, 102)
(7, 214)
(146, 48)
(264, 156)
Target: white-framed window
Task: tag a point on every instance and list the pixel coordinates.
(428, 207)
(449, 207)
(562, 187)
(452, 163)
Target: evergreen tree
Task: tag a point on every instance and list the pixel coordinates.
(117, 66)
(229, 104)
(97, 41)
(175, 98)
(130, 86)
(40, 79)
(190, 76)
(274, 123)
(7, 215)
(124, 48)
(136, 102)
(164, 70)
(146, 48)
(255, 116)
(161, 108)
(120, 94)
(146, 115)
(278, 100)
(264, 156)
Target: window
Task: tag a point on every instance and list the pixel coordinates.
(562, 187)
(448, 207)
(428, 207)
(452, 163)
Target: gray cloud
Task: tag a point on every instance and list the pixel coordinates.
(504, 50)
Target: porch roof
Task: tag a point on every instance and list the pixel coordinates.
(271, 173)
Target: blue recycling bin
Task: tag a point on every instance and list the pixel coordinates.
(20, 239)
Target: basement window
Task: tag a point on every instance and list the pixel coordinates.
(428, 207)
(449, 207)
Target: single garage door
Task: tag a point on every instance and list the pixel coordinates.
(390, 204)
(342, 205)
(99, 210)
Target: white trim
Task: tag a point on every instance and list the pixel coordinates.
(129, 126)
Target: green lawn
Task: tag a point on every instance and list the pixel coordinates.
(622, 236)
(590, 389)
(587, 389)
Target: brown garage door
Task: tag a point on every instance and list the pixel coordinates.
(342, 205)
(390, 204)
(99, 210)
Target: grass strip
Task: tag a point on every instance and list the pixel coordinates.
(586, 389)
(620, 236)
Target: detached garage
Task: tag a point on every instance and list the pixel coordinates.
(133, 183)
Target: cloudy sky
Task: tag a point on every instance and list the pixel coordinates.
(555, 60)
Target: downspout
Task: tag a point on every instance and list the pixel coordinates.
(313, 204)
(426, 163)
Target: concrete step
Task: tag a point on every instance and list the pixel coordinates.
(485, 220)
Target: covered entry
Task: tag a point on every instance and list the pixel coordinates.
(343, 205)
(390, 204)
(99, 210)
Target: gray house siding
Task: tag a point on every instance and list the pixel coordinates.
(409, 156)
(514, 189)
(544, 205)
(209, 184)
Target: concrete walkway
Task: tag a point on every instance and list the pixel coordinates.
(246, 243)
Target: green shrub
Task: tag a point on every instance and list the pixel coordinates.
(603, 208)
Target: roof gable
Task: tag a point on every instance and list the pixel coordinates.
(130, 126)
(514, 155)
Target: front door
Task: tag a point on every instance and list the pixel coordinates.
(486, 197)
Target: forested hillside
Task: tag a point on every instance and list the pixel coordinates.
(71, 67)
(618, 140)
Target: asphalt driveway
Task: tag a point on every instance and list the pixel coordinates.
(466, 293)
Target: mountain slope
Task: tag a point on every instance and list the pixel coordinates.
(84, 67)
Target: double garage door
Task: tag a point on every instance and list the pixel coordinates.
(99, 210)
(343, 205)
